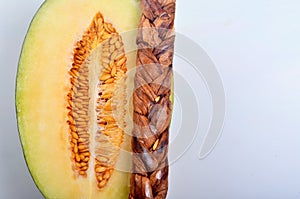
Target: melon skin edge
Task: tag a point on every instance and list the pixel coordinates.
(17, 101)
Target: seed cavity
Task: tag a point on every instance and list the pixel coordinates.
(96, 112)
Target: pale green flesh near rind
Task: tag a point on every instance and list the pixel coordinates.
(20, 78)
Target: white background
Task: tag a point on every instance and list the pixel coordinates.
(255, 46)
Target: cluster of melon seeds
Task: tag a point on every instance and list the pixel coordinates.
(110, 108)
(151, 100)
(96, 101)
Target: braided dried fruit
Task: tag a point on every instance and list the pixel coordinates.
(152, 103)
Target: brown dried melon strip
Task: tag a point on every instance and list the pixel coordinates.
(151, 100)
(108, 137)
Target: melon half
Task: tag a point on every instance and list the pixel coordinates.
(72, 97)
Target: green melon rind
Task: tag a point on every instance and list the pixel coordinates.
(18, 94)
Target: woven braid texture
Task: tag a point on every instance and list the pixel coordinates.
(151, 100)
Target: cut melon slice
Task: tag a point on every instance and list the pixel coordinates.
(71, 97)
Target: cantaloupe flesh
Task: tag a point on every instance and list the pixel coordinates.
(42, 86)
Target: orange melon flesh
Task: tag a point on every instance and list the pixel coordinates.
(43, 82)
